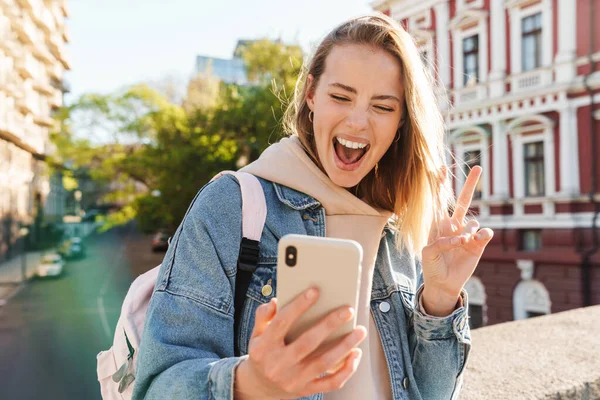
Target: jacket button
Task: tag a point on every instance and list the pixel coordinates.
(267, 290)
(384, 306)
(405, 383)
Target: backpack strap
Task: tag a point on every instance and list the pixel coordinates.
(254, 214)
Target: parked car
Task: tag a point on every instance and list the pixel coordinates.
(160, 242)
(72, 248)
(50, 265)
(77, 248)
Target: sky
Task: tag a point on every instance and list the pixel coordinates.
(115, 43)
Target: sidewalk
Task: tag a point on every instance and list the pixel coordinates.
(11, 275)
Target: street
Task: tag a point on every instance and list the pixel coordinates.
(51, 331)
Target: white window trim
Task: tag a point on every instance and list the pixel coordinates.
(525, 296)
(458, 34)
(463, 5)
(425, 38)
(425, 15)
(516, 15)
(476, 291)
(477, 297)
(456, 139)
(516, 130)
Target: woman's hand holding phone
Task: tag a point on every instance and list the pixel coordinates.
(275, 369)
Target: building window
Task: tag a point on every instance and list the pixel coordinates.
(477, 302)
(475, 316)
(531, 36)
(533, 314)
(531, 299)
(471, 60)
(531, 240)
(534, 169)
(473, 158)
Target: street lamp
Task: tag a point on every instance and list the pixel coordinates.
(77, 202)
(23, 232)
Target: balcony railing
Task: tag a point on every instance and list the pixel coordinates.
(41, 51)
(530, 80)
(66, 34)
(55, 71)
(56, 100)
(472, 94)
(43, 87)
(26, 30)
(58, 50)
(25, 103)
(26, 66)
(44, 120)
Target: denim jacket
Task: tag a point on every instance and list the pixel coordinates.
(187, 348)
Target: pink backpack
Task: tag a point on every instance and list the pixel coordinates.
(116, 366)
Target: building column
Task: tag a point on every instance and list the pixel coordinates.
(518, 174)
(569, 152)
(567, 41)
(547, 40)
(500, 152)
(498, 48)
(442, 37)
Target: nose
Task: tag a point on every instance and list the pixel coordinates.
(358, 120)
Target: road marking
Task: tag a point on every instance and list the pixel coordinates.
(103, 290)
(102, 312)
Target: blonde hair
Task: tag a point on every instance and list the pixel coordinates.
(408, 180)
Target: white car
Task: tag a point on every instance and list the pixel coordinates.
(50, 265)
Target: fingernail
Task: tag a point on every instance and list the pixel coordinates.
(356, 359)
(345, 313)
(455, 240)
(311, 294)
(359, 334)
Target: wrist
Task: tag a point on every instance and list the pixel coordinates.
(243, 387)
(438, 303)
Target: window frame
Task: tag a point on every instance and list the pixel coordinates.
(534, 161)
(537, 34)
(517, 12)
(465, 54)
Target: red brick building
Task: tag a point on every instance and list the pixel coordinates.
(522, 79)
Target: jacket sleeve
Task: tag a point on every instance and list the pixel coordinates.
(440, 348)
(186, 350)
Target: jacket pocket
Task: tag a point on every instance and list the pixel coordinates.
(261, 290)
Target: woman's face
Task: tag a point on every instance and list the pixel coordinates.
(357, 105)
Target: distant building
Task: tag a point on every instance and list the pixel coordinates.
(524, 85)
(32, 63)
(227, 70)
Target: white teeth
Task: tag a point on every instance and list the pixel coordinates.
(351, 145)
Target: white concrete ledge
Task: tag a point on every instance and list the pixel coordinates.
(551, 357)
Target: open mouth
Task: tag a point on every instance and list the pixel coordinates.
(349, 154)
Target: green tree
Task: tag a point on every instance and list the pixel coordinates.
(139, 143)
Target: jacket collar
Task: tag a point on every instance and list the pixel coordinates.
(295, 199)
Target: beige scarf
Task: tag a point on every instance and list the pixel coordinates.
(347, 217)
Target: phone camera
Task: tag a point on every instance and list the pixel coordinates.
(291, 255)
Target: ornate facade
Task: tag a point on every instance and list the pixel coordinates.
(33, 60)
(523, 82)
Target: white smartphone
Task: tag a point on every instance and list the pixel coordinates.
(331, 265)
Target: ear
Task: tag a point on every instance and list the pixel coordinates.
(310, 92)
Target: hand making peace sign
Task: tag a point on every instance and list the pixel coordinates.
(453, 253)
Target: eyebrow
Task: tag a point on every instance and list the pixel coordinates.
(352, 90)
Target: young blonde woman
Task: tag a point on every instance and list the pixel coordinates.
(365, 160)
